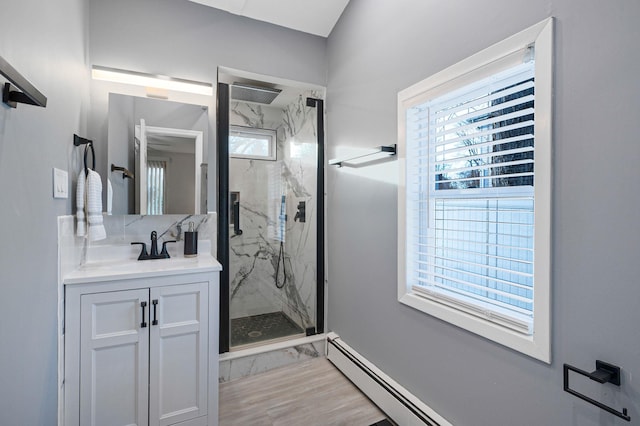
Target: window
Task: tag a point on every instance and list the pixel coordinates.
(474, 204)
(252, 143)
(156, 186)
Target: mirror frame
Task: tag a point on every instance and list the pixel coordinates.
(141, 133)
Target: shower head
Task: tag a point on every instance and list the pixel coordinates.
(257, 94)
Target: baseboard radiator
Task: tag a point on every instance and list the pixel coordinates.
(398, 404)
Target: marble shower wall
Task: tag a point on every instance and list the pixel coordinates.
(255, 253)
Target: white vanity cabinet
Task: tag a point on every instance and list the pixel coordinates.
(142, 350)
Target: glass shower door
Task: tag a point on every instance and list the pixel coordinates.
(273, 158)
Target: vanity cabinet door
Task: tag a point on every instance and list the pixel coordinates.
(114, 353)
(178, 369)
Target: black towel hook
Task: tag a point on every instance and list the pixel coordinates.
(77, 141)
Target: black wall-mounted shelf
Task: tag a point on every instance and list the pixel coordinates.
(19, 90)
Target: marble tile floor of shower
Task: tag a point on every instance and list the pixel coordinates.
(258, 328)
(309, 393)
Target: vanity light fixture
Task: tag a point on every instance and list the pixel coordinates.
(150, 80)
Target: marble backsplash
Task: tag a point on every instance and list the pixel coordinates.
(121, 230)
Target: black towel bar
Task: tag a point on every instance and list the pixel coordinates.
(604, 373)
(27, 94)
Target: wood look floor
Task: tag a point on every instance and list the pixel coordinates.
(306, 394)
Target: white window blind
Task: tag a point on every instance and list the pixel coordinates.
(470, 197)
(156, 179)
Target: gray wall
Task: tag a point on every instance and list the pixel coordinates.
(188, 40)
(46, 42)
(379, 48)
(120, 152)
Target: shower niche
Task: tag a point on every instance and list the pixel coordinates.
(272, 143)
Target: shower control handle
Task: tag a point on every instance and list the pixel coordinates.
(301, 214)
(236, 218)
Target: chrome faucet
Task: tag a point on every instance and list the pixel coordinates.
(164, 254)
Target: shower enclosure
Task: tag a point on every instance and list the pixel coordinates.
(270, 211)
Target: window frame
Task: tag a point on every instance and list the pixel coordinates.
(256, 131)
(538, 344)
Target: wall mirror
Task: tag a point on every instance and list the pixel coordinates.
(163, 145)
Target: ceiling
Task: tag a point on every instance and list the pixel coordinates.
(316, 17)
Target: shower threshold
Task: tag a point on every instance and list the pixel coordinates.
(261, 329)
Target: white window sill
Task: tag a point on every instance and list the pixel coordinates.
(535, 345)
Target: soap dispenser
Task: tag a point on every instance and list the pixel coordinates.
(191, 242)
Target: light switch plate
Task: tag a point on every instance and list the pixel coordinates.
(60, 183)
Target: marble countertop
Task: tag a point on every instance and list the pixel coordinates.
(118, 269)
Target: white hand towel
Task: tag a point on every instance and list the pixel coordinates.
(81, 227)
(109, 196)
(94, 207)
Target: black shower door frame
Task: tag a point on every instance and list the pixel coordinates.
(222, 161)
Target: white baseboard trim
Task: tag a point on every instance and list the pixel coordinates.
(398, 403)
